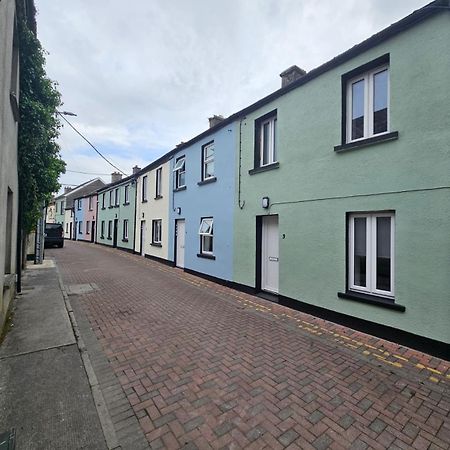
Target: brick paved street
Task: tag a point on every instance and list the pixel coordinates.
(204, 366)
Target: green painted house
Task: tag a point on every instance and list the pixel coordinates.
(116, 213)
(343, 190)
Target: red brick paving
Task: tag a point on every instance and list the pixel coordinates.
(204, 366)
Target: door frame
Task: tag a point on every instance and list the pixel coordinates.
(259, 252)
(176, 242)
(93, 230)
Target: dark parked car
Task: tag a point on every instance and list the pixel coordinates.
(54, 235)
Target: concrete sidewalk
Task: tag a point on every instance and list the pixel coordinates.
(45, 393)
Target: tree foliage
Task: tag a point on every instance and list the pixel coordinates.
(40, 163)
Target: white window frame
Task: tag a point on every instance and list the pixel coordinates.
(110, 228)
(111, 193)
(125, 228)
(207, 160)
(80, 227)
(127, 194)
(272, 120)
(180, 167)
(371, 252)
(103, 200)
(144, 188)
(205, 230)
(116, 197)
(90, 204)
(79, 204)
(158, 183)
(368, 103)
(156, 231)
(88, 222)
(102, 230)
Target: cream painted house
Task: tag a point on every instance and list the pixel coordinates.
(152, 210)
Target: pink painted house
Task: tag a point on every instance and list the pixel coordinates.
(86, 217)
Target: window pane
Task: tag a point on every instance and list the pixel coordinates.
(380, 102)
(275, 141)
(384, 253)
(181, 179)
(265, 142)
(358, 109)
(209, 169)
(207, 244)
(360, 251)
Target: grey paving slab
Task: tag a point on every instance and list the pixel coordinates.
(41, 309)
(45, 396)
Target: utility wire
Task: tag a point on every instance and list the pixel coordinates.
(92, 145)
(88, 173)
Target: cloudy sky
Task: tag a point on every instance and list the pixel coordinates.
(144, 75)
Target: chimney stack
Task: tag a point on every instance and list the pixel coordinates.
(67, 189)
(136, 169)
(116, 176)
(290, 75)
(214, 120)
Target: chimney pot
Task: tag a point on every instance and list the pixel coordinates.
(136, 169)
(67, 189)
(290, 75)
(214, 120)
(116, 176)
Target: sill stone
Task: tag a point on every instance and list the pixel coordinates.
(367, 142)
(205, 255)
(158, 197)
(156, 244)
(371, 300)
(265, 168)
(182, 188)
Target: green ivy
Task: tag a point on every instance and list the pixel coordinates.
(40, 163)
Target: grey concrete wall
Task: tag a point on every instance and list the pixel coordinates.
(8, 159)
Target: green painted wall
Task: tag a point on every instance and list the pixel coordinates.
(120, 212)
(313, 253)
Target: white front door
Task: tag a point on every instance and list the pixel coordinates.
(269, 254)
(142, 237)
(179, 236)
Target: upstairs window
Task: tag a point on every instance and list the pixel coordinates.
(371, 253)
(144, 188)
(79, 204)
(127, 194)
(206, 232)
(111, 199)
(90, 204)
(180, 173)
(103, 201)
(158, 186)
(116, 197)
(367, 104)
(208, 161)
(266, 140)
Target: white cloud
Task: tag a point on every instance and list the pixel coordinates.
(144, 75)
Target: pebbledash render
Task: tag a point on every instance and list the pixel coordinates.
(344, 187)
(116, 213)
(152, 211)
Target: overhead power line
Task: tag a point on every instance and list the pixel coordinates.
(88, 173)
(90, 143)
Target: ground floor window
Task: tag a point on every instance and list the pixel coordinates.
(371, 239)
(80, 227)
(88, 223)
(156, 231)
(67, 227)
(109, 229)
(125, 228)
(206, 232)
(102, 230)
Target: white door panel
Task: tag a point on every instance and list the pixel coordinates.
(180, 239)
(270, 254)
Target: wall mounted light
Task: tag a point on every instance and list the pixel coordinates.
(265, 202)
(178, 210)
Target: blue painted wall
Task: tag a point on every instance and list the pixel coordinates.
(79, 217)
(209, 200)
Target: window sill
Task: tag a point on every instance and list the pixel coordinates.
(109, 238)
(182, 188)
(207, 181)
(144, 201)
(366, 142)
(158, 197)
(103, 208)
(126, 203)
(102, 237)
(205, 255)
(272, 166)
(156, 244)
(371, 300)
(124, 240)
(110, 207)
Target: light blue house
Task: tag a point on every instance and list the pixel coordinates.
(201, 210)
